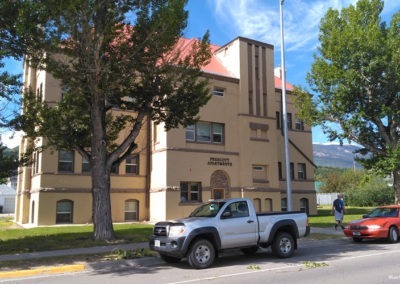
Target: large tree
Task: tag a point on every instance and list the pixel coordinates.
(119, 63)
(356, 76)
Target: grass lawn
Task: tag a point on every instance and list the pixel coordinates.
(20, 240)
(326, 219)
(14, 239)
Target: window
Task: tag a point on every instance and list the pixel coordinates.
(115, 169)
(299, 124)
(236, 210)
(205, 132)
(289, 121)
(132, 164)
(131, 210)
(292, 171)
(218, 91)
(259, 173)
(301, 171)
(64, 211)
(280, 175)
(190, 191)
(191, 133)
(85, 165)
(35, 167)
(65, 161)
(278, 120)
(284, 204)
(258, 131)
(268, 204)
(304, 205)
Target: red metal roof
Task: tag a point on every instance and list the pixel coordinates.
(215, 66)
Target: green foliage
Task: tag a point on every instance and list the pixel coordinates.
(119, 64)
(372, 193)
(8, 163)
(326, 219)
(355, 76)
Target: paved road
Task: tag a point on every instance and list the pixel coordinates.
(321, 260)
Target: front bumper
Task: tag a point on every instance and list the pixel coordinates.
(169, 246)
(366, 234)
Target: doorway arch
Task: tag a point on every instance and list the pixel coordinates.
(219, 185)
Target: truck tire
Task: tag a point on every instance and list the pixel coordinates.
(201, 254)
(283, 245)
(169, 259)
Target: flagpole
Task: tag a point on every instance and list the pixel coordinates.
(284, 114)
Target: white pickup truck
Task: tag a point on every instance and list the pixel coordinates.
(227, 224)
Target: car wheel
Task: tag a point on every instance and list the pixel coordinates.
(201, 254)
(393, 235)
(169, 259)
(250, 250)
(283, 245)
(357, 240)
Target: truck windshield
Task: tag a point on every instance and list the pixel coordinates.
(207, 210)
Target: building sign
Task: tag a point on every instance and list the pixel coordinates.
(219, 162)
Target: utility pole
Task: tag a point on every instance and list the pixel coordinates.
(284, 115)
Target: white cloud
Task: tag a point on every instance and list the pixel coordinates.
(259, 19)
(11, 139)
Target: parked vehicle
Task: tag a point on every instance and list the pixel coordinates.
(227, 224)
(382, 222)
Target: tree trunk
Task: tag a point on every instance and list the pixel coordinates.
(396, 185)
(101, 170)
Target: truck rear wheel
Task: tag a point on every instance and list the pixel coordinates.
(201, 254)
(283, 245)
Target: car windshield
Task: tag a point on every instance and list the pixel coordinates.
(207, 210)
(384, 212)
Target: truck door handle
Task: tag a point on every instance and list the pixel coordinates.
(250, 221)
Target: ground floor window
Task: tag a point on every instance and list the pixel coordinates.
(190, 191)
(304, 205)
(131, 210)
(268, 204)
(257, 204)
(284, 204)
(64, 211)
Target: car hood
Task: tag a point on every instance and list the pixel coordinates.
(368, 221)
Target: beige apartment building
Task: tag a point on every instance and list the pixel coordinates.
(236, 149)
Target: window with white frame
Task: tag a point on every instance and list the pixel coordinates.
(190, 191)
(301, 171)
(132, 164)
(299, 124)
(65, 161)
(64, 211)
(284, 204)
(218, 91)
(205, 132)
(131, 210)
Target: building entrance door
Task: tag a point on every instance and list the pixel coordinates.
(218, 193)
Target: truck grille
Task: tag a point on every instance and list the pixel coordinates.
(160, 231)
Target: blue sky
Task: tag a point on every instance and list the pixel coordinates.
(259, 20)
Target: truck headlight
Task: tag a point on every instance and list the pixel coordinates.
(176, 231)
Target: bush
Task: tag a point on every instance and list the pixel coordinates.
(370, 195)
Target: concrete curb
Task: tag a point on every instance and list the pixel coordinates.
(44, 270)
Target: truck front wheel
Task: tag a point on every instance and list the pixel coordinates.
(201, 254)
(283, 245)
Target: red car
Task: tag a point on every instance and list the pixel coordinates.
(382, 222)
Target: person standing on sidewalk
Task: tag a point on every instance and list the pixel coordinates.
(338, 210)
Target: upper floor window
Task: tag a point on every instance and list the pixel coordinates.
(85, 165)
(260, 173)
(299, 124)
(206, 132)
(218, 91)
(65, 161)
(301, 171)
(132, 164)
